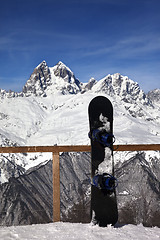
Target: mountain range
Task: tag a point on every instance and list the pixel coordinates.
(52, 109)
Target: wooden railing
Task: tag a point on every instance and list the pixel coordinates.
(56, 171)
(78, 148)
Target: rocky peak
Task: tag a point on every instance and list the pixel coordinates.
(39, 80)
(88, 86)
(61, 70)
(127, 88)
(8, 94)
(154, 95)
(49, 80)
(64, 80)
(122, 86)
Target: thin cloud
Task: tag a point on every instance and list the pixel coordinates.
(128, 47)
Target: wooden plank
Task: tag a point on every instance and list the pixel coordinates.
(56, 188)
(74, 148)
(25, 149)
(78, 148)
(137, 147)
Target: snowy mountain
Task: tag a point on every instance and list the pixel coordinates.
(38, 82)
(53, 109)
(54, 101)
(44, 81)
(154, 95)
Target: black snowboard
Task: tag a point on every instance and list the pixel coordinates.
(103, 202)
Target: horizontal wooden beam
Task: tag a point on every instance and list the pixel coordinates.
(137, 147)
(78, 148)
(25, 149)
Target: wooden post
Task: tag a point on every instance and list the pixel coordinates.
(56, 187)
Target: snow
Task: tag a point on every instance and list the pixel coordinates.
(106, 123)
(56, 119)
(106, 165)
(78, 231)
(61, 118)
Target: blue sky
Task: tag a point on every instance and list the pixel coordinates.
(93, 38)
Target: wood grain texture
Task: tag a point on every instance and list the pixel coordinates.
(78, 148)
(56, 188)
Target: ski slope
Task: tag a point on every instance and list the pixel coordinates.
(78, 231)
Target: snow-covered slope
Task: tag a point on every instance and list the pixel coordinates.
(53, 109)
(63, 231)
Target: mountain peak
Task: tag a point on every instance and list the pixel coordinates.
(118, 84)
(61, 70)
(64, 79)
(60, 79)
(154, 95)
(39, 80)
(42, 64)
(62, 65)
(50, 80)
(126, 90)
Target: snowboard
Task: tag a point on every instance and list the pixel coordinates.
(103, 183)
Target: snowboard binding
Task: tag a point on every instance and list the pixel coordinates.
(104, 138)
(105, 181)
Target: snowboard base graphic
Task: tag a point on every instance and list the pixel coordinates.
(103, 195)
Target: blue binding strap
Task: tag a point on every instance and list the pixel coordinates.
(104, 138)
(105, 181)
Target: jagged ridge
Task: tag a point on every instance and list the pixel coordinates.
(42, 115)
(60, 79)
(57, 79)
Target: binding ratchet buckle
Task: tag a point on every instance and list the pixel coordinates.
(105, 181)
(104, 138)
